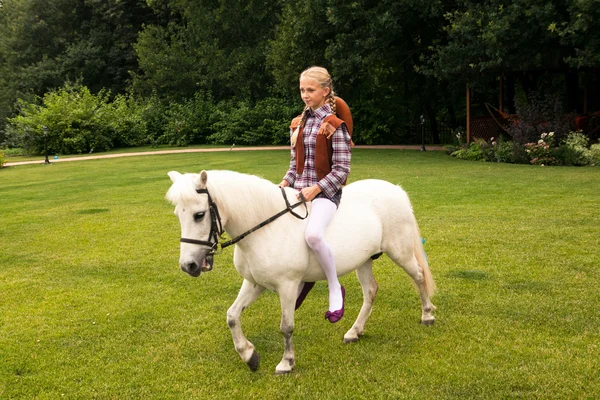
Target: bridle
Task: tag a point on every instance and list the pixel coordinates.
(216, 226)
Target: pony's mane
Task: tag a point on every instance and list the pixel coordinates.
(235, 189)
(239, 191)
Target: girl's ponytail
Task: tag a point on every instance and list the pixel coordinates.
(300, 125)
(331, 99)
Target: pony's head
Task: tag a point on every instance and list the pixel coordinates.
(192, 207)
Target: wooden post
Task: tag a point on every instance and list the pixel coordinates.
(585, 94)
(501, 99)
(468, 113)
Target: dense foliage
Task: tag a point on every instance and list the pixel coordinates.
(182, 71)
(546, 150)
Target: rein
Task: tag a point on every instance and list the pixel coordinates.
(216, 227)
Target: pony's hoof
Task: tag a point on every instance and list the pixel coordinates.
(428, 322)
(254, 361)
(350, 340)
(352, 336)
(284, 367)
(285, 372)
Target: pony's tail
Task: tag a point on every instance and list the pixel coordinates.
(428, 282)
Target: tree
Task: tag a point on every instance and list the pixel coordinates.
(580, 32)
(45, 43)
(494, 36)
(373, 51)
(218, 47)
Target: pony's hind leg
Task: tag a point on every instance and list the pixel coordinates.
(249, 292)
(369, 289)
(409, 263)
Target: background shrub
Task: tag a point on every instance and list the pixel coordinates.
(540, 114)
(189, 121)
(267, 122)
(76, 122)
(125, 119)
(504, 151)
(472, 152)
(595, 154)
(154, 114)
(574, 150)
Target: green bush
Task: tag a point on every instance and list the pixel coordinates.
(504, 152)
(451, 148)
(124, 118)
(267, 122)
(78, 121)
(2, 158)
(573, 150)
(154, 114)
(273, 120)
(471, 152)
(13, 151)
(188, 122)
(75, 121)
(595, 154)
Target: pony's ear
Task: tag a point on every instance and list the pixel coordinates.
(174, 175)
(203, 178)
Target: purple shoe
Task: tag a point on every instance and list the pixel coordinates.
(305, 289)
(335, 316)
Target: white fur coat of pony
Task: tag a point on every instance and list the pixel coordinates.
(374, 217)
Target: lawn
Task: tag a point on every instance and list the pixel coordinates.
(93, 305)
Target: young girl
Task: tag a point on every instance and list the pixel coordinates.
(319, 166)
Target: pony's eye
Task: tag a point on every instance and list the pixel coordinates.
(198, 216)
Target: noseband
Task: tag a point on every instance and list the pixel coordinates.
(216, 226)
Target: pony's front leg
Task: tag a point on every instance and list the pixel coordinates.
(287, 297)
(249, 292)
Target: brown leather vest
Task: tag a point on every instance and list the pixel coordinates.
(323, 146)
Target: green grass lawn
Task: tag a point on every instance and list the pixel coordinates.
(93, 304)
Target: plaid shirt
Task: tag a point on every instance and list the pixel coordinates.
(331, 184)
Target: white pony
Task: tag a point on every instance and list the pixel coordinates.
(374, 217)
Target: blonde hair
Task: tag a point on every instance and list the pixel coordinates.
(322, 77)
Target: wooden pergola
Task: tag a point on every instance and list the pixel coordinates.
(489, 123)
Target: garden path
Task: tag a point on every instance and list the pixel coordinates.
(174, 151)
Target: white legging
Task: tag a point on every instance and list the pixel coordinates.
(321, 214)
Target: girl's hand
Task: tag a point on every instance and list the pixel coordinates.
(309, 193)
(284, 183)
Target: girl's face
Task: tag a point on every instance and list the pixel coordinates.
(312, 93)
